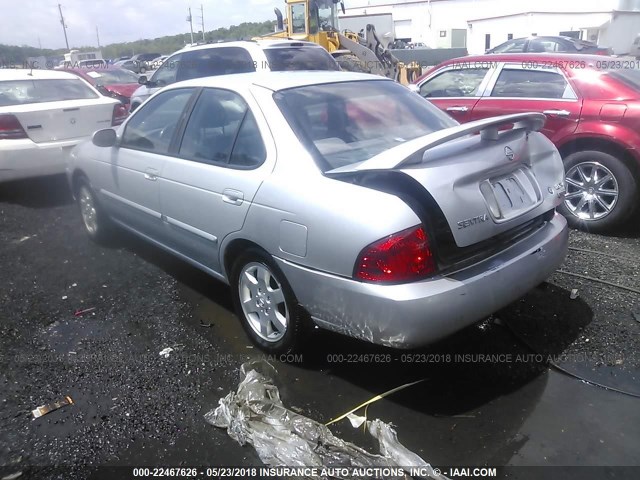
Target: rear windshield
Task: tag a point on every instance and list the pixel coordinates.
(214, 61)
(296, 58)
(349, 122)
(580, 44)
(21, 92)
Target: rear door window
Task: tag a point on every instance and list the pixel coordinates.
(299, 58)
(454, 83)
(522, 83)
(21, 92)
(214, 61)
(222, 130)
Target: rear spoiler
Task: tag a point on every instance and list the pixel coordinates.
(488, 129)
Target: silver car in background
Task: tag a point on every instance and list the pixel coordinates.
(332, 198)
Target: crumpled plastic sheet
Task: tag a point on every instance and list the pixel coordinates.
(256, 415)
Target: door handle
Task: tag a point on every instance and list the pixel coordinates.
(457, 109)
(151, 174)
(557, 113)
(234, 197)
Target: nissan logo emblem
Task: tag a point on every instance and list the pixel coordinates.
(509, 153)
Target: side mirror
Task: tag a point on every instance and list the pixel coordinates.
(105, 138)
(142, 80)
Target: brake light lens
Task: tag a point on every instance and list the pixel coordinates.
(119, 114)
(10, 128)
(402, 257)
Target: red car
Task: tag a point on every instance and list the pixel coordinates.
(592, 105)
(111, 82)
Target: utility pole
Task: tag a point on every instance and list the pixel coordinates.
(64, 27)
(202, 20)
(190, 20)
(98, 37)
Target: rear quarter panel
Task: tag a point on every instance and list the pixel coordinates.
(331, 220)
(614, 121)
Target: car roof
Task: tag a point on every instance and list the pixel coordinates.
(532, 37)
(27, 74)
(109, 68)
(277, 81)
(252, 44)
(567, 59)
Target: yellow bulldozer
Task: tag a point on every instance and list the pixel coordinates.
(317, 21)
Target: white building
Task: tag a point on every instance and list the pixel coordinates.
(481, 24)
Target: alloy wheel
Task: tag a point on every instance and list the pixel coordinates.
(88, 209)
(263, 302)
(592, 191)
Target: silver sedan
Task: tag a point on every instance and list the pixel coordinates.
(333, 199)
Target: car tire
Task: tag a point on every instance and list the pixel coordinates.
(351, 63)
(273, 321)
(96, 222)
(587, 174)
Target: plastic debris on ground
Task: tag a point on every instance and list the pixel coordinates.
(165, 352)
(574, 294)
(13, 476)
(78, 313)
(255, 415)
(44, 409)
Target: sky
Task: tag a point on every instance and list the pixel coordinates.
(37, 22)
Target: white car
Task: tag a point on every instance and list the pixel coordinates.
(43, 115)
(233, 57)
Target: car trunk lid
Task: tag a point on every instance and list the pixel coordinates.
(64, 120)
(484, 184)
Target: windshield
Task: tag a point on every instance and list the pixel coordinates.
(297, 58)
(349, 122)
(20, 92)
(106, 77)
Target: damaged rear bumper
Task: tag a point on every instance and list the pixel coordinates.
(419, 313)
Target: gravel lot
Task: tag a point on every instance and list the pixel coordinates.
(133, 406)
(108, 359)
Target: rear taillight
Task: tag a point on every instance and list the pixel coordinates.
(119, 114)
(402, 257)
(10, 128)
